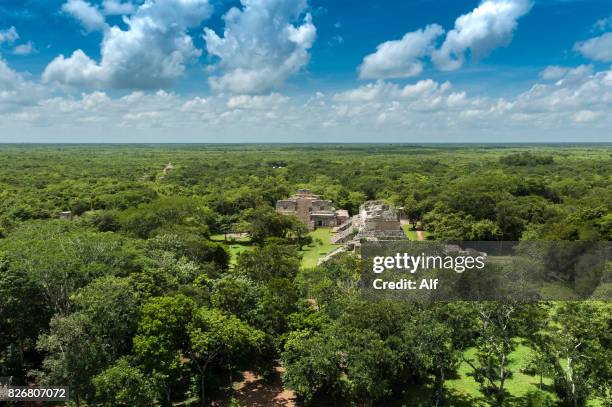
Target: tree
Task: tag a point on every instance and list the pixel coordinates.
(162, 338)
(111, 306)
(355, 365)
(73, 355)
(21, 299)
(434, 351)
(215, 336)
(124, 385)
(493, 347)
(166, 213)
(575, 346)
(62, 259)
(269, 261)
(190, 246)
(237, 295)
(264, 222)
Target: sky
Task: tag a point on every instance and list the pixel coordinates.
(203, 71)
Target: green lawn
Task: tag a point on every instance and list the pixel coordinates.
(221, 238)
(463, 390)
(311, 253)
(233, 246)
(465, 387)
(412, 235)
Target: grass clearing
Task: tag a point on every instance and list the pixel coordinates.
(320, 247)
(518, 385)
(412, 234)
(234, 246)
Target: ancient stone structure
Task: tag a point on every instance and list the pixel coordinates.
(376, 220)
(312, 210)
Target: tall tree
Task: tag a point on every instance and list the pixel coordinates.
(217, 337)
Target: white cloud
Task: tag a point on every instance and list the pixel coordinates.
(16, 91)
(382, 91)
(258, 102)
(9, 35)
(24, 49)
(590, 92)
(556, 72)
(368, 93)
(87, 14)
(603, 24)
(260, 47)
(76, 70)
(8, 77)
(586, 116)
(116, 7)
(597, 48)
(570, 106)
(488, 26)
(400, 58)
(150, 54)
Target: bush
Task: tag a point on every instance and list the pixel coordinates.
(538, 399)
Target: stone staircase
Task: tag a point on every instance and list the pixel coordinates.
(343, 236)
(346, 225)
(331, 254)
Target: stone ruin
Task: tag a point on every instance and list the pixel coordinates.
(312, 210)
(376, 221)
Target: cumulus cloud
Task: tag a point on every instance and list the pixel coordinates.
(150, 54)
(8, 35)
(86, 14)
(24, 49)
(400, 58)
(603, 24)
(556, 72)
(578, 97)
(424, 95)
(259, 102)
(572, 103)
(597, 48)
(116, 7)
(488, 26)
(16, 91)
(260, 47)
(587, 93)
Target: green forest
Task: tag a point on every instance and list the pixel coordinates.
(159, 275)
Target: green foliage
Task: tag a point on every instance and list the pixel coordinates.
(270, 261)
(124, 385)
(131, 303)
(217, 337)
(575, 349)
(498, 325)
(167, 213)
(526, 158)
(161, 338)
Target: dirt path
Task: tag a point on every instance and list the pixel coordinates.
(419, 233)
(254, 391)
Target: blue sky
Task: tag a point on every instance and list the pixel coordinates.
(299, 70)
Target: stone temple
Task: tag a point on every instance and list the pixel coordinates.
(312, 210)
(376, 221)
